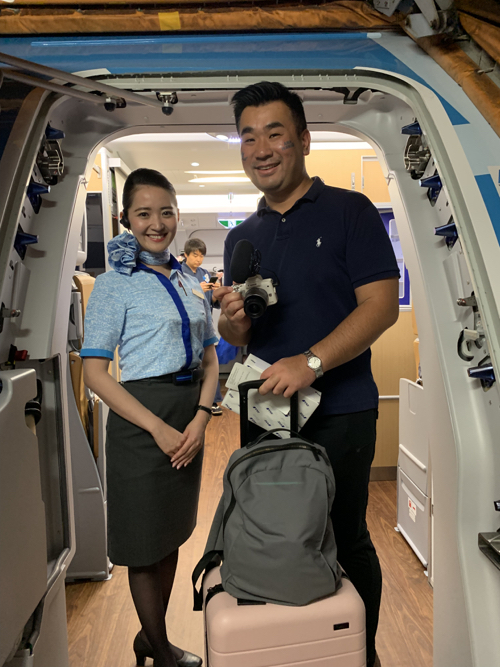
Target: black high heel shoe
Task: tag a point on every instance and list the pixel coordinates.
(143, 650)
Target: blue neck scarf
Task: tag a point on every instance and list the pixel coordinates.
(155, 258)
(124, 252)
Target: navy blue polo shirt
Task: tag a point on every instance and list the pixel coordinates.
(329, 243)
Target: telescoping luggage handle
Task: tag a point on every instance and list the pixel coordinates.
(244, 388)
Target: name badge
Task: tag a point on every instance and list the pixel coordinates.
(198, 293)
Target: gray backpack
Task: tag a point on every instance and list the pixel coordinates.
(272, 527)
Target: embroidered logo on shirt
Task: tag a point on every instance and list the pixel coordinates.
(318, 242)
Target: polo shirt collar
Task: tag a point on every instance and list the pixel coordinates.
(311, 195)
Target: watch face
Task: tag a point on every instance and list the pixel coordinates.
(314, 363)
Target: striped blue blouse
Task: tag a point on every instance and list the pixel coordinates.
(137, 313)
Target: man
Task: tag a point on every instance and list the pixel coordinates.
(194, 254)
(337, 293)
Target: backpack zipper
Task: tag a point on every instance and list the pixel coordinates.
(257, 452)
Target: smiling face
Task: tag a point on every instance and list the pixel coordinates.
(153, 218)
(272, 151)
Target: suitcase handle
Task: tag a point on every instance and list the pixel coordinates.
(244, 388)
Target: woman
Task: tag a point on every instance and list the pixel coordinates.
(161, 322)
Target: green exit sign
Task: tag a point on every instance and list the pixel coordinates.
(229, 222)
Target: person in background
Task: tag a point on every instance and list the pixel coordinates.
(163, 327)
(320, 331)
(194, 253)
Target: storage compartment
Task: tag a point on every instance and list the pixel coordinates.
(413, 516)
(413, 439)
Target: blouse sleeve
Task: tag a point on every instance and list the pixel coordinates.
(104, 317)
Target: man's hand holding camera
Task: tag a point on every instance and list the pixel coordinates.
(232, 308)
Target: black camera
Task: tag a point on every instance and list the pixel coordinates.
(168, 99)
(257, 293)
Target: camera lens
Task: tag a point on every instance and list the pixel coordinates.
(255, 303)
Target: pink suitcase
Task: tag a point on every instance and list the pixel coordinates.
(327, 633)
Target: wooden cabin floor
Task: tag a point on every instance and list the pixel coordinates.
(102, 622)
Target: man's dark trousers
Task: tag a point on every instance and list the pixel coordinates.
(350, 444)
(349, 441)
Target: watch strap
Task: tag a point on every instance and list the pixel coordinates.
(205, 409)
(317, 371)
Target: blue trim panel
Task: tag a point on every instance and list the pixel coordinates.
(95, 352)
(208, 53)
(211, 341)
(491, 198)
(393, 64)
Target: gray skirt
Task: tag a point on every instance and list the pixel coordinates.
(152, 507)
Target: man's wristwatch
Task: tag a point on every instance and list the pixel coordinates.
(205, 409)
(314, 363)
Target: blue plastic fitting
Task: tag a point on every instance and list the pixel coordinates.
(484, 373)
(37, 189)
(23, 240)
(54, 133)
(412, 128)
(433, 182)
(449, 230)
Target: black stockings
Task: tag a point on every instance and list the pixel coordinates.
(151, 587)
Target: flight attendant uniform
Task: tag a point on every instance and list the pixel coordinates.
(161, 326)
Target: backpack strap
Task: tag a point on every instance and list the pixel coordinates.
(266, 434)
(213, 554)
(212, 592)
(208, 561)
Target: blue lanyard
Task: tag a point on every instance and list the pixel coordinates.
(186, 330)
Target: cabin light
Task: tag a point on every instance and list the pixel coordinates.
(221, 179)
(227, 171)
(339, 145)
(195, 164)
(226, 138)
